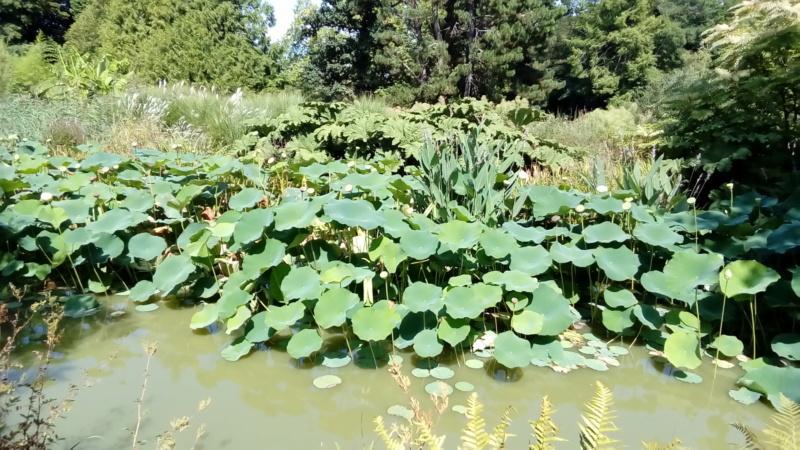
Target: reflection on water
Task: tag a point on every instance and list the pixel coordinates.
(266, 401)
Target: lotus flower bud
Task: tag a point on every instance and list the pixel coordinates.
(626, 206)
(116, 166)
(62, 169)
(523, 175)
(134, 144)
(691, 200)
(602, 189)
(303, 189)
(46, 197)
(506, 182)
(16, 157)
(384, 274)
(348, 188)
(351, 164)
(310, 191)
(629, 199)
(728, 274)
(104, 170)
(729, 186)
(580, 209)
(174, 146)
(283, 155)
(270, 160)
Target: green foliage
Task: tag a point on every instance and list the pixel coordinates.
(34, 67)
(597, 422)
(24, 20)
(6, 70)
(784, 433)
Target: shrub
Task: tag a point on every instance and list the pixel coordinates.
(32, 68)
(65, 133)
(6, 69)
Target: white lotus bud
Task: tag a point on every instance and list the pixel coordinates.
(758, 200)
(602, 189)
(728, 274)
(116, 166)
(134, 144)
(523, 175)
(348, 188)
(629, 199)
(351, 164)
(310, 191)
(46, 197)
(384, 274)
(174, 146)
(270, 160)
(104, 170)
(691, 200)
(626, 206)
(729, 186)
(369, 167)
(16, 157)
(580, 208)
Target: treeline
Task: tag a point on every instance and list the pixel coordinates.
(568, 55)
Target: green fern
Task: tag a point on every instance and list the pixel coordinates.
(498, 439)
(787, 432)
(474, 435)
(597, 422)
(752, 442)
(676, 445)
(545, 431)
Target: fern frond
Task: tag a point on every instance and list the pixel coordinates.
(597, 422)
(383, 433)
(786, 431)
(426, 436)
(752, 442)
(498, 439)
(676, 445)
(545, 431)
(474, 435)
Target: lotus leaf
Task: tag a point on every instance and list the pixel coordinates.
(787, 346)
(488, 295)
(327, 381)
(596, 364)
(459, 235)
(302, 283)
(648, 316)
(785, 238)
(250, 226)
(514, 280)
(619, 298)
(453, 331)
(295, 214)
(173, 272)
(728, 346)
(257, 329)
(375, 323)
(550, 200)
(237, 349)
(511, 350)
(231, 300)
(619, 264)
(687, 377)
(744, 396)
(460, 280)
(336, 360)
(442, 373)
(205, 317)
(657, 234)
(563, 254)
(354, 213)
(401, 411)
(420, 373)
(419, 244)
(498, 244)
(280, 317)
(682, 349)
(304, 343)
(463, 303)
(146, 308)
(439, 389)
(255, 264)
(535, 235)
(78, 306)
(604, 204)
(531, 260)
(427, 345)
(464, 386)
(331, 309)
(246, 198)
(746, 278)
(420, 297)
(388, 252)
(146, 246)
(143, 291)
(605, 232)
(241, 316)
(527, 322)
(114, 220)
(771, 381)
(556, 310)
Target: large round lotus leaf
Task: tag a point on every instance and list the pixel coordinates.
(658, 234)
(304, 343)
(563, 254)
(453, 331)
(354, 213)
(604, 204)
(551, 200)
(605, 232)
(302, 283)
(787, 346)
(442, 373)
(343, 274)
(457, 234)
(419, 297)
(146, 308)
(419, 244)
(785, 238)
(375, 323)
(619, 264)
(146, 246)
(488, 295)
(648, 316)
(113, 221)
(246, 198)
(427, 345)
(525, 234)
(326, 381)
(238, 348)
(280, 317)
(463, 303)
(143, 291)
(250, 226)
(257, 329)
(744, 396)
(659, 283)
(527, 322)
(172, 272)
(331, 309)
(460, 280)
(773, 381)
(241, 317)
(388, 252)
(139, 201)
(728, 345)
(618, 321)
(746, 278)
(78, 306)
(401, 411)
(231, 300)
(555, 308)
(694, 268)
(255, 264)
(295, 215)
(683, 350)
(511, 350)
(531, 260)
(497, 243)
(439, 388)
(105, 246)
(101, 159)
(517, 281)
(204, 317)
(619, 298)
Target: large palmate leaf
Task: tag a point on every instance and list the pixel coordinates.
(511, 350)
(302, 283)
(746, 278)
(375, 323)
(174, 271)
(354, 213)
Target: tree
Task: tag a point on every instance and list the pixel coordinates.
(23, 20)
(216, 42)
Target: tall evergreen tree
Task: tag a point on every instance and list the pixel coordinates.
(22, 20)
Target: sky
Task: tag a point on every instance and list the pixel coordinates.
(284, 13)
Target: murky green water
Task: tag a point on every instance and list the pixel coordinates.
(264, 401)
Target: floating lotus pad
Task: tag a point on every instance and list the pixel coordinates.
(474, 363)
(327, 381)
(442, 373)
(464, 386)
(439, 388)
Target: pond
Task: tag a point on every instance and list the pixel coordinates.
(266, 401)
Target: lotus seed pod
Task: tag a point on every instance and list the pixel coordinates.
(134, 144)
(46, 197)
(626, 206)
(303, 189)
(602, 189)
(348, 188)
(691, 200)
